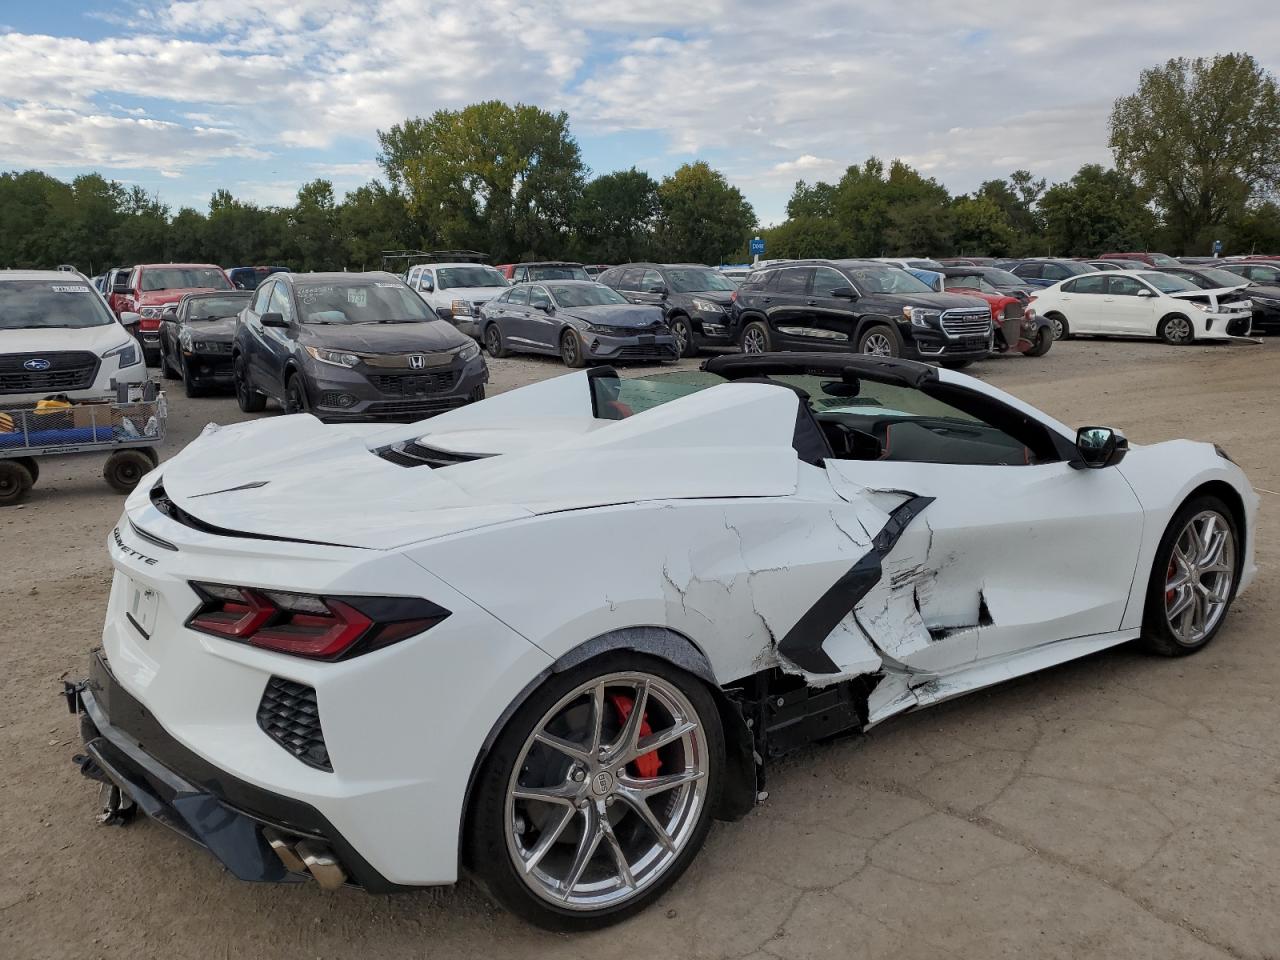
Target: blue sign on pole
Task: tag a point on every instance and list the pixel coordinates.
(757, 246)
(1217, 248)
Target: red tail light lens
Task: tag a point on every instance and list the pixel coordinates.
(304, 625)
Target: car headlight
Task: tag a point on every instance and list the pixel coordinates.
(1200, 306)
(461, 308)
(149, 313)
(920, 317)
(602, 328)
(200, 346)
(706, 306)
(469, 351)
(336, 357)
(184, 339)
(126, 352)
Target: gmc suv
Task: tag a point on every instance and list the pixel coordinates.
(859, 306)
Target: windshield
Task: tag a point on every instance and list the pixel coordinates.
(558, 272)
(184, 278)
(886, 280)
(41, 304)
(214, 308)
(364, 301)
(1167, 284)
(474, 276)
(698, 280)
(1164, 260)
(583, 295)
(970, 281)
(1221, 278)
(923, 264)
(1003, 278)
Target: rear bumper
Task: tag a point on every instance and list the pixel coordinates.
(184, 792)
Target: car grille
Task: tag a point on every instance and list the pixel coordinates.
(966, 323)
(414, 385)
(212, 346)
(68, 370)
(654, 352)
(406, 410)
(1014, 311)
(288, 714)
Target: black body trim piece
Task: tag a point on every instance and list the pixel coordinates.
(188, 794)
(737, 366)
(161, 501)
(803, 643)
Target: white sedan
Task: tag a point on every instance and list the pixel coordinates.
(547, 638)
(1143, 303)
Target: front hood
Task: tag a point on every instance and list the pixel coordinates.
(1262, 291)
(220, 330)
(295, 478)
(154, 298)
(617, 314)
(422, 337)
(94, 339)
(473, 294)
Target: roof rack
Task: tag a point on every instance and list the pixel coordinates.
(409, 257)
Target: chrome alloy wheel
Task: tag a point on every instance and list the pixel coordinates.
(877, 345)
(1200, 577)
(607, 791)
(753, 341)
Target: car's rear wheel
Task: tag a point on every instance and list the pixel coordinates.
(248, 399)
(571, 349)
(755, 338)
(1044, 340)
(1176, 329)
(1061, 329)
(683, 333)
(598, 792)
(1193, 579)
(880, 341)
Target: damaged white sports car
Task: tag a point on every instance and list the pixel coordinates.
(548, 637)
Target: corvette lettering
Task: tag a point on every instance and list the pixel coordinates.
(129, 551)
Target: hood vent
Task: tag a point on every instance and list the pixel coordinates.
(414, 454)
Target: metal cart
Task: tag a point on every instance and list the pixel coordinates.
(127, 432)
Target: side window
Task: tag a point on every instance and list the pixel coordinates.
(826, 279)
(259, 305)
(610, 277)
(539, 298)
(631, 279)
(1124, 286)
(519, 296)
(651, 279)
(793, 282)
(519, 274)
(1089, 283)
(281, 303)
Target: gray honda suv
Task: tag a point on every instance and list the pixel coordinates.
(351, 346)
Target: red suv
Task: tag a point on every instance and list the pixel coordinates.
(148, 287)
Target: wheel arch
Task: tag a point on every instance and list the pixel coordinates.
(739, 794)
(1235, 503)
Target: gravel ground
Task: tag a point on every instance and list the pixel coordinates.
(1119, 806)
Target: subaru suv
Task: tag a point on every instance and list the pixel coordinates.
(696, 300)
(860, 306)
(351, 346)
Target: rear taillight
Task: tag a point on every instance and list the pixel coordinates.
(304, 625)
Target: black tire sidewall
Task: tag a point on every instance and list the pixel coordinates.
(119, 463)
(571, 356)
(485, 845)
(1156, 635)
(247, 399)
(690, 348)
(17, 479)
(501, 350)
(894, 338)
(1163, 330)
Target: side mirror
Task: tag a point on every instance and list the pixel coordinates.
(545, 307)
(844, 293)
(169, 313)
(659, 289)
(131, 322)
(1144, 292)
(275, 320)
(121, 284)
(1099, 447)
(427, 286)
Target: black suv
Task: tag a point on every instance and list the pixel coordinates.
(196, 334)
(862, 307)
(351, 346)
(695, 299)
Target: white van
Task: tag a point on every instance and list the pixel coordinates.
(457, 291)
(57, 336)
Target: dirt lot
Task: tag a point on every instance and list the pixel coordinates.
(1122, 806)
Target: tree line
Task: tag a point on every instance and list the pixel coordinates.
(1196, 150)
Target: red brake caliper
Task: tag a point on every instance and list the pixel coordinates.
(650, 763)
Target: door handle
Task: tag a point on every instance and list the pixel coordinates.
(767, 299)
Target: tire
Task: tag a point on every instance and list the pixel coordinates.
(497, 841)
(1058, 323)
(683, 332)
(1176, 329)
(189, 385)
(15, 482)
(248, 399)
(1044, 340)
(493, 342)
(880, 340)
(125, 468)
(755, 338)
(1159, 632)
(166, 370)
(571, 349)
(295, 394)
(33, 468)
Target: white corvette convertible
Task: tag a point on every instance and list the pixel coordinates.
(549, 637)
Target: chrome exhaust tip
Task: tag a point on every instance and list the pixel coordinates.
(322, 864)
(284, 850)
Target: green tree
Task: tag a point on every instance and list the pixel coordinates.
(1096, 210)
(1203, 136)
(1018, 200)
(703, 218)
(187, 241)
(493, 176)
(314, 231)
(816, 201)
(981, 227)
(885, 212)
(374, 218)
(615, 217)
(142, 233)
(801, 237)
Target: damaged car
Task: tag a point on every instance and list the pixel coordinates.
(774, 550)
(1017, 327)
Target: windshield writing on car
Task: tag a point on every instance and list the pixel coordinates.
(184, 278)
(887, 280)
(366, 302)
(37, 304)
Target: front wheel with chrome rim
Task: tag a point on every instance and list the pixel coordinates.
(880, 341)
(755, 338)
(1194, 578)
(598, 793)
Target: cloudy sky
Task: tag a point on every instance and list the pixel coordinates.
(262, 95)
